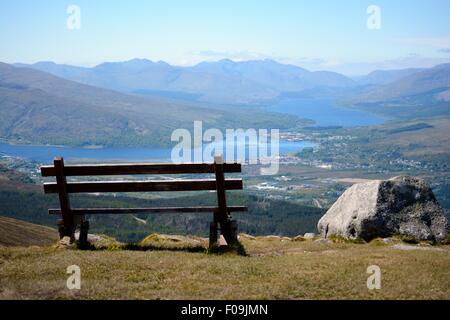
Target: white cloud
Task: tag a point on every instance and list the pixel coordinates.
(436, 42)
(412, 60)
(193, 57)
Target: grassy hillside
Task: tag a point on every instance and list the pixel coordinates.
(275, 268)
(15, 232)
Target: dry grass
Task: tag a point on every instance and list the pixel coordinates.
(275, 268)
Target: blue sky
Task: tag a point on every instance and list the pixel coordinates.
(318, 35)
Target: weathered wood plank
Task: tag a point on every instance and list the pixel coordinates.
(138, 168)
(143, 186)
(64, 201)
(81, 211)
(220, 187)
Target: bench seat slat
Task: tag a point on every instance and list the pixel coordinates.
(143, 186)
(81, 211)
(138, 168)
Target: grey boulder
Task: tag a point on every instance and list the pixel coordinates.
(381, 208)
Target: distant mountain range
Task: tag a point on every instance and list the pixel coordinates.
(250, 82)
(223, 81)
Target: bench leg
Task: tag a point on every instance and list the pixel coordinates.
(230, 231)
(66, 231)
(84, 229)
(213, 234)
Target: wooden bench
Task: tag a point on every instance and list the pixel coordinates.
(73, 217)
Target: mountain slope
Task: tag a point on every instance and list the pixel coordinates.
(433, 81)
(38, 107)
(15, 232)
(274, 75)
(381, 77)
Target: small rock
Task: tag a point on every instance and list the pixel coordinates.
(93, 237)
(408, 248)
(272, 237)
(323, 240)
(222, 241)
(65, 242)
(171, 239)
(90, 238)
(246, 236)
(309, 236)
(299, 238)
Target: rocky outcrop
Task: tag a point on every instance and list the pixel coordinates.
(399, 206)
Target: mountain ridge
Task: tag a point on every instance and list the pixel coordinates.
(236, 82)
(418, 83)
(219, 81)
